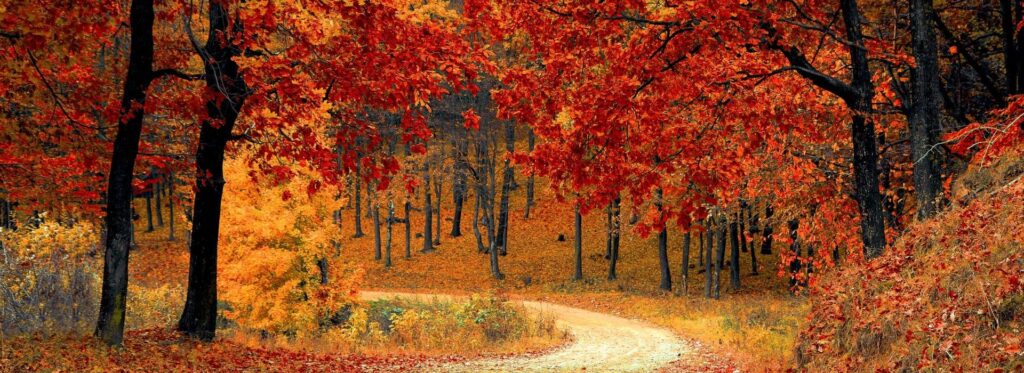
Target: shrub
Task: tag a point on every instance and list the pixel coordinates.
(48, 282)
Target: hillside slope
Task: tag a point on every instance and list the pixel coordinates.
(946, 297)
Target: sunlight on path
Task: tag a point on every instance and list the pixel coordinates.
(601, 342)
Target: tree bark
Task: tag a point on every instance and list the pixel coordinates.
(149, 212)
(358, 203)
(408, 230)
(666, 272)
(709, 260)
(387, 241)
(531, 142)
(158, 186)
(508, 180)
(428, 209)
(114, 288)
(766, 238)
(925, 110)
(199, 318)
(616, 233)
(684, 282)
(734, 257)
(375, 215)
(170, 206)
(720, 255)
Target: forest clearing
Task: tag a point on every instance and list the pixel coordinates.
(536, 186)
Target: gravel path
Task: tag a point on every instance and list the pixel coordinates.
(601, 342)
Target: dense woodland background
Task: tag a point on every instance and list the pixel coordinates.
(238, 171)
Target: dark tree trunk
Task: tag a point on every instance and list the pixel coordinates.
(358, 203)
(734, 257)
(149, 212)
(578, 245)
(387, 240)
(159, 199)
(666, 272)
(1010, 57)
(925, 110)
(438, 185)
(616, 234)
(865, 153)
(709, 259)
(508, 180)
(720, 255)
(794, 248)
(531, 142)
(766, 231)
(199, 318)
(428, 209)
(322, 266)
(170, 206)
(408, 230)
(459, 187)
(375, 214)
(114, 289)
(700, 250)
(685, 267)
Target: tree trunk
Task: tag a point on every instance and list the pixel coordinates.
(925, 110)
(408, 230)
(616, 234)
(1010, 57)
(766, 238)
(709, 259)
(608, 239)
(199, 318)
(865, 152)
(666, 272)
(734, 258)
(149, 212)
(159, 214)
(114, 289)
(438, 185)
(375, 214)
(578, 245)
(387, 241)
(322, 266)
(685, 268)
(428, 210)
(531, 142)
(358, 203)
(794, 248)
(459, 187)
(506, 188)
(170, 206)
(720, 255)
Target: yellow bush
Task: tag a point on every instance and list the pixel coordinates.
(48, 281)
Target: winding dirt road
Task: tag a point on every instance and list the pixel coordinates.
(601, 342)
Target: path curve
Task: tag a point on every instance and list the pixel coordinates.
(601, 342)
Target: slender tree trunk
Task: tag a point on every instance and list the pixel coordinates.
(700, 250)
(616, 234)
(720, 255)
(684, 282)
(322, 266)
(666, 272)
(358, 203)
(408, 230)
(375, 214)
(531, 142)
(199, 318)
(709, 260)
(578, 245)
(925, 110)
(508, 181)
(170, 206)
(387, 241)
(149, 212)
(428, 209)
(114, 289)
(438, 185)
(794, 248)
(459, 187)
(1010, 57)
(752, 228)
(159, 214)
(734, 258)
(766, 241)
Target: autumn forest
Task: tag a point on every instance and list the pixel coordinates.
(525, 185)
